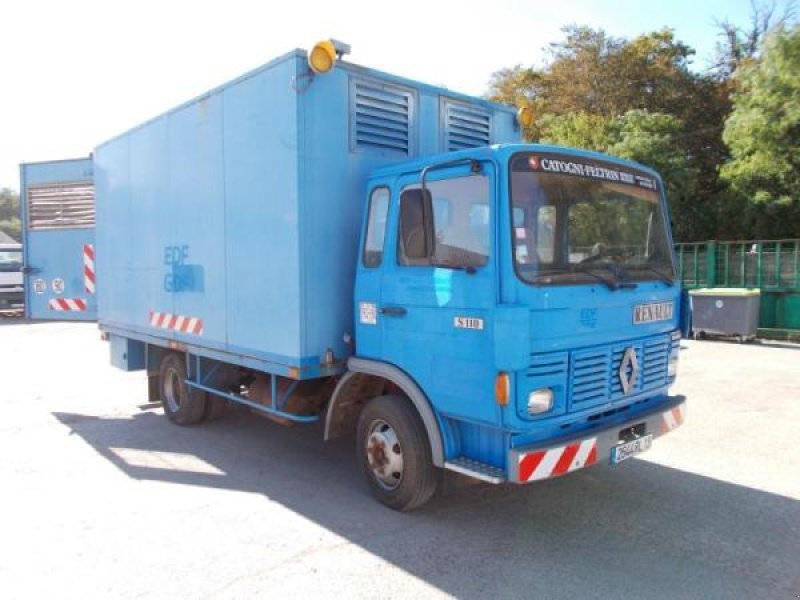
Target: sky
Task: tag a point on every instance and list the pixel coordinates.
(75, 73)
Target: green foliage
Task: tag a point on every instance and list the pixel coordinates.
(636, 99)
(9, 213)
(638, 135)
(578, 129)
(763, 133)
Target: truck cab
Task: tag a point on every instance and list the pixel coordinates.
(530, 291)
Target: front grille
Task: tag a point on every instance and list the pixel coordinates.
(591, 375)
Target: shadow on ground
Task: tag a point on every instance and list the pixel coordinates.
(640, 530)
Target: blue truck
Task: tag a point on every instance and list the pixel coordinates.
(320, 241)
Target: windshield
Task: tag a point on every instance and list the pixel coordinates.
(10, 260)
(578, 220)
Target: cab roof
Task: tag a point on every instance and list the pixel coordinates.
(501, 153)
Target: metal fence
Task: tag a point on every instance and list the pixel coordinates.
(764, 264)
(773, 266)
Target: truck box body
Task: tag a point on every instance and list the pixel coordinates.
(231, 223)
(58, 232)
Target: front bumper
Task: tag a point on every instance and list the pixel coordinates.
(559, 457)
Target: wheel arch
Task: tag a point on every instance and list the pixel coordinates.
(363, 371)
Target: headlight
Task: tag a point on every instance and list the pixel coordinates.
(540, 401)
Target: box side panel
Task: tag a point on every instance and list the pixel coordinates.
(192, 253)
(261, 214)
(198, 222)
(112, 193)
(135, 221)
(333, 183)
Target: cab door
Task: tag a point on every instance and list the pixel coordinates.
(58, 211)
(436, 304)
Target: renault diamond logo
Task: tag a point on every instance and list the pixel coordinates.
(628, 370)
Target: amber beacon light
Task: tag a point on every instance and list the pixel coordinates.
(525, 116)
(323, 56)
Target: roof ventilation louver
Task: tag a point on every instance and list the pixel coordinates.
(382, 117)
(466, 126)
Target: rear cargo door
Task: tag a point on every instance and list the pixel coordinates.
(59, 228)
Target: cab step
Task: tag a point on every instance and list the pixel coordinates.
(475, 469)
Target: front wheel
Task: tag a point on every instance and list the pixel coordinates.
(395, 453)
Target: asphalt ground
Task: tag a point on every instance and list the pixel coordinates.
(101, 497)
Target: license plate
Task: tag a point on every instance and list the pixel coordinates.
(632, 448)
(650, 313)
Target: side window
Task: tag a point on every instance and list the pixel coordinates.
(461, 224)
(376, 227)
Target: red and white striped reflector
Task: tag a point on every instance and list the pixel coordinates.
(88, 268)
(179, 323)
(67, 304)
(673, 418)
(557, 461)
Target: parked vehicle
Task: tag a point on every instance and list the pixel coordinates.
(321, 241)
(11, 292)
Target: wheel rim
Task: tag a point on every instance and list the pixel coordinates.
(385, 455)
(172, 390)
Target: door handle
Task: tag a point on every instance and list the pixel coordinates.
(29, 270)
(393, 311)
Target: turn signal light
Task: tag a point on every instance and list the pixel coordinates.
(502, 388)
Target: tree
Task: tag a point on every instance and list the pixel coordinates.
(641, 136)
(644, 90)
(763, 133)
(739, 46)
(9, 213)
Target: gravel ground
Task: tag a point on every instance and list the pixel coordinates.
(102, 497)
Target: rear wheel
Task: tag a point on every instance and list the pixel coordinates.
(182, 405)
(395, 453)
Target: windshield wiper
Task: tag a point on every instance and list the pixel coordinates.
(612, 284)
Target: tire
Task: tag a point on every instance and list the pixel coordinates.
(395, 453)
(182, 405)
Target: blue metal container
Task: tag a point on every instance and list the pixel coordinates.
(230, 224)
(58, 230)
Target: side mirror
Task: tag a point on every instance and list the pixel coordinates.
(416, 224)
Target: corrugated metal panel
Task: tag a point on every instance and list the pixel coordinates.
(61, 206)
(465, 126)
(382, 117)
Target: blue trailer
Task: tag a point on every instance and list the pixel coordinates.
(58, 226)
(321, 241)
